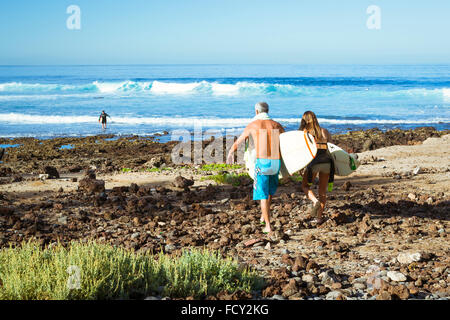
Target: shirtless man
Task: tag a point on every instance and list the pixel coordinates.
(265, 133)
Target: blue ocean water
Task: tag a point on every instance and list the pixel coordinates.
(49, 101)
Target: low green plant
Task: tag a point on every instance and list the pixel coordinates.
(296, 177)
(220, 167)
(229, 178)
(103, 271)
(155, 169)
(126, 170)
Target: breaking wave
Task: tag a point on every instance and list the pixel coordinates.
(206, 87)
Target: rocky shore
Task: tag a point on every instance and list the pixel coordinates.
(386, 237)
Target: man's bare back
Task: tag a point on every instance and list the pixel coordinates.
(266, 134)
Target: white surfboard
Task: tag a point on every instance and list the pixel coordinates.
(298, 149)
(250, 158)
(250, 161)
(344, 163)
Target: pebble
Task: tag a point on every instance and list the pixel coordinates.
(407, 258)
(412, 196)
(62, 220)
(359, 286)
(396, 276)
(333, 295)
(360, 280)
(167, 247)
(308, 278)
(135, 235)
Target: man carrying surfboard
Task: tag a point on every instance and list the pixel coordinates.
(265, 133)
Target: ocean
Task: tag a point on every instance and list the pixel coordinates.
(66, 101)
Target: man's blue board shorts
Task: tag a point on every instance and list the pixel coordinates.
(266, 178)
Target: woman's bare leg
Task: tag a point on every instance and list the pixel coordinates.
(306, 189)
(323, 185)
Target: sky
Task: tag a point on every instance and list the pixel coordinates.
(224, 32)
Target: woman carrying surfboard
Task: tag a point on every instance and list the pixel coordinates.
(321, 165)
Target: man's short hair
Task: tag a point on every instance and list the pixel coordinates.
(262, 107)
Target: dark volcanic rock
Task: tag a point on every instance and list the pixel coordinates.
(155, 162)
(346, 186)
(368, 144)
(5, 211)
(290, 289)
(357, 141)
(181, 182)
(91, 185)
(52, 172)
(75, 168)
(134, 188)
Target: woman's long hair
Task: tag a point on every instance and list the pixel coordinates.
(311, 125)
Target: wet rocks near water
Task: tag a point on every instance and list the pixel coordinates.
(358, 141)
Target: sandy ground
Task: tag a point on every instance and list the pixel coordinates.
(433, 158)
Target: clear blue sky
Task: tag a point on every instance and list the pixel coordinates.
(224, 31)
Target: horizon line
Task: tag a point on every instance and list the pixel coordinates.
(229, 64)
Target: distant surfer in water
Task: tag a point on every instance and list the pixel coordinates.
(266, 134)
(322, 165)
(102, 118)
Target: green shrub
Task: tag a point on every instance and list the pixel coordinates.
(108, 272)
(126, 169)
(157, 169)
(296, 177)
(230, 178)
(220, 167)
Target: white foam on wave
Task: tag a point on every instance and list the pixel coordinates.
(29, 97)
(180, 122)
(173, 87)
(39, 87)
(224, 89)
(205, 87)
(107, 87)
(446, 93)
